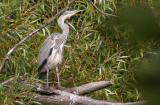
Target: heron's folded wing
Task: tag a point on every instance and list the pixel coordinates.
(52, 43)
(44, 51)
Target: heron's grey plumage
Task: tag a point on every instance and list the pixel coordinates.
(55, 42)
(51, 52)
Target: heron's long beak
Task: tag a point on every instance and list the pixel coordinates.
(73, 12)
(76, 11)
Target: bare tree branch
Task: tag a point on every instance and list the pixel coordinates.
(52, 96)
(90, 87)
(31, 34)
(107, 14)
(69, 96)
(80, 90)
(65, 98)
(7, 81)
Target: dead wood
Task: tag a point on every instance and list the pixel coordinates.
(70, 96)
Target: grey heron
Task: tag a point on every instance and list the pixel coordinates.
(51, 52)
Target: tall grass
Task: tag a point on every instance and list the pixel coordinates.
(94, 49)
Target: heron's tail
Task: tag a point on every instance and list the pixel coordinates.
(41, 75)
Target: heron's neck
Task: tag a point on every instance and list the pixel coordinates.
(63, 26)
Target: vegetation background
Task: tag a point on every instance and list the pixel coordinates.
(99, 47)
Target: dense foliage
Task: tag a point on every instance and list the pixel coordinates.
(99, 47)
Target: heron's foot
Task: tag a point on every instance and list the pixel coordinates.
(58, 87)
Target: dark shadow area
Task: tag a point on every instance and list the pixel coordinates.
(143, 28)
(142, 21)
(148, 77)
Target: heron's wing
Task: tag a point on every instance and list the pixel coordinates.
(45, 49)
(53, 42)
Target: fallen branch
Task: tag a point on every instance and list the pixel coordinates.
(91, 87)
(31, 34)
(68, 96)
(51, 96)
(80, 90)
(65, 98)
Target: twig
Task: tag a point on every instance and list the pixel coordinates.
(31, 34)
(7, 81)
(20, 78)
(101, 10)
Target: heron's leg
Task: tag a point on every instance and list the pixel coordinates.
(47, 76)
(58, 78)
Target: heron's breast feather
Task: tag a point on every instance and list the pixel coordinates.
(55, 58)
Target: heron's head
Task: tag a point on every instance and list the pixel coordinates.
(68, 14)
